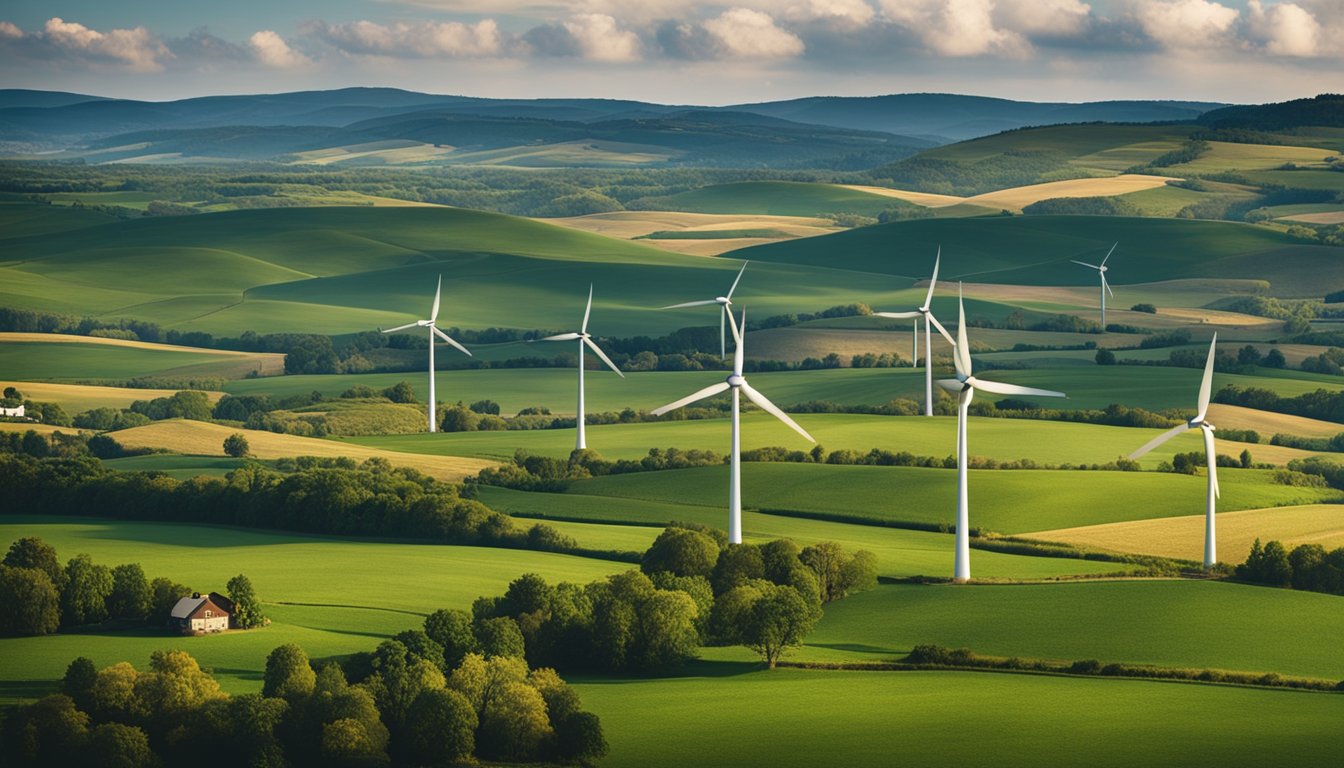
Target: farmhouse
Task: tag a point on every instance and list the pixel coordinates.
(199, 614)
(17, 412)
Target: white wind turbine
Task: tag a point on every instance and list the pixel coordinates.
(1105, 286)
(738, 384)
(433, 331)
(964, 387)
(929, 319)
(724, 303)
(1199, 422)
(585, 340)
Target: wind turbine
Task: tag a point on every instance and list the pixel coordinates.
(1105, 286)
(929, 319)
(433, 331)
(964, 387)
(1199, 422)
(738, 384)
(585, 340)
(724, 303)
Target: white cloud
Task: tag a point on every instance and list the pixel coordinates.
(424, 39)
(599, 38)
(1285, 29)
(272, 50)
(9, 29)
(956, 27)
(854, 13)
(1187, 23)
(745, 33)
(1043, 17)
(134, 48)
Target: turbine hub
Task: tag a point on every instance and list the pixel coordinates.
(736, 380)
(1103, 269)
(424, 323)
(723, 300)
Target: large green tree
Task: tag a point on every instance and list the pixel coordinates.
(451, 629)
(682, 552)
(440, 729)
(29, 604)
(87, 587)
(288, 673)
(131, 596)
(246, 606)
(33, 552)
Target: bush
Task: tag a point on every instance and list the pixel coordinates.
(235, 445)
(1144, 307)
(1105, 357)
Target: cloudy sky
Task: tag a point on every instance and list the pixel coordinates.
(691, 52)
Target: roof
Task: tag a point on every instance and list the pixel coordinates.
(188, 606)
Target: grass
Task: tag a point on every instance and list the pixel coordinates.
(1178, 536)
(799, 719)
(76, 398)
(1268, 423)
(1001, 500)
(1225, 156)
(900, 553)
(1101, 147)
(174, 465)
(780, 198)
(205, 439)
(1052, 442)
(346, 595)
(57, 357)
(1179, 623)
(1016, 198)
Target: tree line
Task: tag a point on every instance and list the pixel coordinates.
(39, 596)
(1307, 567)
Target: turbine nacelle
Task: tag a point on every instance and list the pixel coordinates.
(736, 380)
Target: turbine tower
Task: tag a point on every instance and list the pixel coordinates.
(724, 303)
(929, 320)
(1105, 286)
(585, 340)
(1199, 422)
(433, 331)
(738, 384)
(964, 387)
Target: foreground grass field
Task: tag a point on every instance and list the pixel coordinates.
(1004, 501)
(1175, 623)
(332, 596)
(800, 719)
(1314, 524)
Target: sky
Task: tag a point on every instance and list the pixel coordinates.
(690, 52)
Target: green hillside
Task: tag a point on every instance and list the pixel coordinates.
(779, 198)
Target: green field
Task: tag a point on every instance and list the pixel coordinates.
(174, 465)
(900, 553)
(77, 361)
(1003, 501)
(1099, 148)
(331, 596)
(1186, 624)
(801, 719)
(780, 198)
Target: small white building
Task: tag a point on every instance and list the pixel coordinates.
(17, 413)
(198, 614)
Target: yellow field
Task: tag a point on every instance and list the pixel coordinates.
(628, 225)
(75, 398)
(65, 338)
(392, 152)
(199, 438)
(926, 199)
(1016, 198)
(1224, 156)
(1328, 217)
(24, 426)
(1183, 537)
(1267, 424)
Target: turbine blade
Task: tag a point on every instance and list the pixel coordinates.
(1085, 264)
(1108, 253)
(942, 330)
(401, 327)
(562, 337)
(729, 295)
(933, 281)
(962, 352)
(584, 328)
(899, 315)
(1206, 386)
(1106, 285)
(1160, 439)
(450, 340)
(951, 385)
(1211, 456)
(438, 292)
(598, 351)
(999, 388)
(687, 400)
(765, 404)
(691, 304)
(739, 350)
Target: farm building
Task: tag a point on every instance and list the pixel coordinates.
(198, 614)
(17, 412)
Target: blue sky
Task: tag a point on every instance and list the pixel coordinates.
(682, 52)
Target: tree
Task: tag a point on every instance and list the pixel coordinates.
(113, 696)
(163, 595)
(485, 406)
(1105, 357)
(499, 636)
(1248, 355)
(401, 392)
(457, 418)
(398, 678)
(1274, 359)
(779, 619)
(288, 675)
(235, 445)
(1307, 561)
(347, 742)
(53, 732)
(78, 682)
(246, 606)
(87, 587)
(682, 552)
(33, 552)
(174, 686)
(114, 745)
(29, 604)
(451, 629)
(579, 738)
(838, 572)
(1246, 459)
(513, 724)
(737, 564)
(131, 597)
(440, 728)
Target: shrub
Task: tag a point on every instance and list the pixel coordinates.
(1144, 307)
(235, 445)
